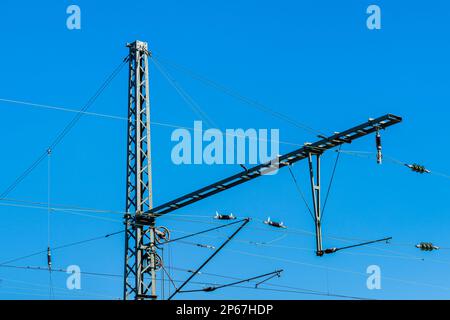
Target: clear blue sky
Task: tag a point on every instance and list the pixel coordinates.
(313, 60)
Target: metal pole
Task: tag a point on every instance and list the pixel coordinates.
(318, 213)
(140, 250)
(315, 190)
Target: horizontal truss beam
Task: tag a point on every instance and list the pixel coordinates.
(326, 143)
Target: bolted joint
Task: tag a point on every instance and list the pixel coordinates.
(127, 219)
(140, 46)
(145, 220)
(330, 250)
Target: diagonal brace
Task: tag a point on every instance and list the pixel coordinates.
(245, 221)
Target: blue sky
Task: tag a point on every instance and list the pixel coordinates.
(313, 60)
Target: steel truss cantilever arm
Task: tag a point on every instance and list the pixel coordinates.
(245, 221)
(326, 143)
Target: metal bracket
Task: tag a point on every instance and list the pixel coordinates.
(315, 190)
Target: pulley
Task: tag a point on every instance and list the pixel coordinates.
(162, 234)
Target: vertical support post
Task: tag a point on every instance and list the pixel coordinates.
(140, 250)
(315, 189)
(379, 148)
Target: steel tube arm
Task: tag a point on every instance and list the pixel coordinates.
(244, 222)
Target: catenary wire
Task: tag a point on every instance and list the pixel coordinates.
(239, 96)
(57, 140)
(60, 247)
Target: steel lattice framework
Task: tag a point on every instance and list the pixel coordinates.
(141, 258)
(141, 235)
(317, 148)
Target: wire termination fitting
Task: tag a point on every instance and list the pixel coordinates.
(427, 246)
(418, 168)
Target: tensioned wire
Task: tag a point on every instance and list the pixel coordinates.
(62, 134)
(366, 154)
(156, 123)
(269, 244)
(60, 247)
(274, 287)
(32, 286)
(182, 218)
(252, 254)
(268, 284)
(233, 93)
(186, 97)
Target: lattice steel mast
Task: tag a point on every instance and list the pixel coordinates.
(141, 237)
(141, 258)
